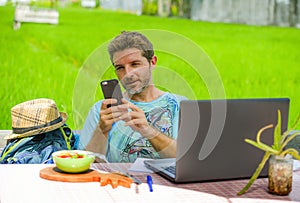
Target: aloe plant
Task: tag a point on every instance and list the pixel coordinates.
(278, 148)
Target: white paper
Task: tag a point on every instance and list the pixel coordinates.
(101, 156)
(139, 166)
(296, 165)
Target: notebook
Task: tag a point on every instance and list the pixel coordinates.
(211, 134)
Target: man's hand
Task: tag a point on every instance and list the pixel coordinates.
(135, 118)
(109, 115)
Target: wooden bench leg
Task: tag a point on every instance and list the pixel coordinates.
(17, 25)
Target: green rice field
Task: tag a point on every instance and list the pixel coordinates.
(42, 60)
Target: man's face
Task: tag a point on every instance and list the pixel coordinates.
(133, 69)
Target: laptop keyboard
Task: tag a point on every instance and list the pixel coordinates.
(170, 169)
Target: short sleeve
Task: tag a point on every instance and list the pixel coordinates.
(90, 125)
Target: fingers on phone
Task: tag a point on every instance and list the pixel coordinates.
(108, 103)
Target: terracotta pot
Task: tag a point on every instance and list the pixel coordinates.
(280, 175)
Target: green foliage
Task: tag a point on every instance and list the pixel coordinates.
(176, 5)
(150, 7)
(174, 10)
(42, 4)
(280, 141)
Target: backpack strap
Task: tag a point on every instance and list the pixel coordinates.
(67, 133)
(11, 146)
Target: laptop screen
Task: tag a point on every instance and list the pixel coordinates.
(210, 143)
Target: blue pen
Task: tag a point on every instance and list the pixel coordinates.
(149, 181)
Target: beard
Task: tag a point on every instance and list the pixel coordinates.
(143, 86)
(145, 82)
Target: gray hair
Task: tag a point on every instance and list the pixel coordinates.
(127, 40)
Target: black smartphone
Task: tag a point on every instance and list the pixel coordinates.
(111, 89)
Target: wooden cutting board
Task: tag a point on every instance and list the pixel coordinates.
(53, 173)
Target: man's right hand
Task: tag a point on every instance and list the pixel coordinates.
(108, 115)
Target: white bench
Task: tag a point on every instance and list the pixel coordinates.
(2, 140)
(24, 13)
(88, 3)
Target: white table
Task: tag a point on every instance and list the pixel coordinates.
(21, 183)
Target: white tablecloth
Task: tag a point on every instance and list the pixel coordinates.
(21, 183)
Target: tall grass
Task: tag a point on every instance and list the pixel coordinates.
(41, 60)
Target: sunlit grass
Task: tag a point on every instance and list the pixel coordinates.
(41, 60)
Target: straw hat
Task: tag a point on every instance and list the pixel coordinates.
(35, 117)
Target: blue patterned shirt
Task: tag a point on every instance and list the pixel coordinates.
(124, 144)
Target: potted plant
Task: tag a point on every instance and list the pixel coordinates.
(280, 163)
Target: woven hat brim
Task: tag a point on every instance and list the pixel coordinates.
(64, 117)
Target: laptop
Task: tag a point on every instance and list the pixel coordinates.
(211, 139)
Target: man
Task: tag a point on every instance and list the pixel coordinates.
(145, 124)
